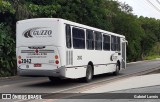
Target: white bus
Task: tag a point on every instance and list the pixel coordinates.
(59, 48)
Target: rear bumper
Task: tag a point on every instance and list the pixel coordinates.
(60, 72)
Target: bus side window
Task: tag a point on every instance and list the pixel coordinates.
(118, 44)
(89, 39)
(78, 38)
(98, 40)
(106, 42)
(113, 43)
(68, 36)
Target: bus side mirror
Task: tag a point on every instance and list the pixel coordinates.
(124, 40)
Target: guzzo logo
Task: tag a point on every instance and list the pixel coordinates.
(37, 32)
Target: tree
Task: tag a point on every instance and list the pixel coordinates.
(151, 30)
(128, 25)
(7, 49)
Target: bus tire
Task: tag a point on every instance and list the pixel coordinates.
(89, 74)
(117, 69)
(54, 79)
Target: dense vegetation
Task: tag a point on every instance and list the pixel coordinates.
(142, 33)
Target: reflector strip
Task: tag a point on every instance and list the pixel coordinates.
(40, 51)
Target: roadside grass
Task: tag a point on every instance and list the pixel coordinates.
(151, 57)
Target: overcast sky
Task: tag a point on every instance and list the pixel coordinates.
(144, 8)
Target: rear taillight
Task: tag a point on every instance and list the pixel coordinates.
(19, 62)
(57, 62)
(56, 56)
(19, 59)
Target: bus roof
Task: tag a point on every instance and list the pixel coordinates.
(74, 24)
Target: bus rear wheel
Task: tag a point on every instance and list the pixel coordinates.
(117, 69)
(89, 74)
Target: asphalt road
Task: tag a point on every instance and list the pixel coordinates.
(43, 85)
(151, 94)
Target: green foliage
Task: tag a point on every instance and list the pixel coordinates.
(7, 51)
(5, 6)
(151, 57)
(126, 8)
(43, 11)
(155, 49)
(42, 2)
(151, 28)
(89, 12)
(21, 9)
(128, 25)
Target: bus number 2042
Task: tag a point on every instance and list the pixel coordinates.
(26, 60)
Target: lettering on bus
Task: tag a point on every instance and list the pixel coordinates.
(37, 32)
(42, 32)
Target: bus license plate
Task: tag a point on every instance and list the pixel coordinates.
(37, 65)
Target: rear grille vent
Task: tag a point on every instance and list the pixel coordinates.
(69, 57)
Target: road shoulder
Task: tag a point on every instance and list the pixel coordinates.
(127, 83)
